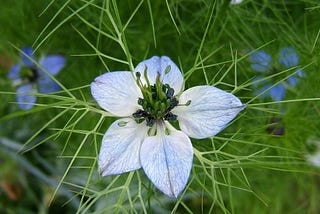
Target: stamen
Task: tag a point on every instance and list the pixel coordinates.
(140, 101)
(150, 121)
(139, 114)
(186, 104)
(170, 92)
(170, 117)
(174, 103)
(157, 101)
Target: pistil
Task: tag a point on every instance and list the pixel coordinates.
(157, 101)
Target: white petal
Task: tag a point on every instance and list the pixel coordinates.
(167, 161)
(120, 147)
(117, 92)
(159, 65)
(210, 110)
(153, 68)
(173, 77)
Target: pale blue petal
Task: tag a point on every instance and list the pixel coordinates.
(278, 92)
(53, 63)
(28, 51)
(260, 68)
(120, 147)
(300, 73)
(14, 73)
(257, 81)
(293, 80)
(167, 160)
(47, 85)
(26, 97)
(153, 68)
(163, 66)
(261, 90)
(210, 110)
(117, 92)
(260, 57)
(261, 87)
(288, 57)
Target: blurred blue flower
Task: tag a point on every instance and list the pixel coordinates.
(262, 63)
(29, 79)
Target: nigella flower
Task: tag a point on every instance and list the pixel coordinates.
(262, 63)
(29, 79)
(150, 101)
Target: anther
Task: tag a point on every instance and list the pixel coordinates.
(174, 103)
(170, 92)
(186, 104)
(139, 113)
(168, 68)
(170, 117)
(149, 121)
(140, 101)
(122, 123)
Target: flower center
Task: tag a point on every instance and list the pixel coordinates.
(157, 101)
(30, 74)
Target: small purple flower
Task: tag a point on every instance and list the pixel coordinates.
(262, 63)
(29, 79)
(276, 127)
